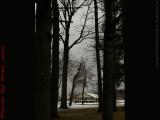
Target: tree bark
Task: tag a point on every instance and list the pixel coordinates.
(98, 58)
(107, 70)
(55, 61)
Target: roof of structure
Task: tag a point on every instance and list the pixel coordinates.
(87, 95)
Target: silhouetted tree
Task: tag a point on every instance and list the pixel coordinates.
(98, 57)
(118, 48)
(42, 64)
(69, 8)
(55, 59)
(107, 69)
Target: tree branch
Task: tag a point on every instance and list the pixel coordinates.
(61, 38)
(80, 5)
(62, 23)
(80, 36)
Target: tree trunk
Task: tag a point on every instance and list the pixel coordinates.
(55, 61)
(64, 78)
(42, 67)
(73, 85)
(107, 70)
(71, 97)
(98, 58)
(65, 68)
(84, 85)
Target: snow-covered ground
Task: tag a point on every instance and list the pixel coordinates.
(91, 105)
(80, 106)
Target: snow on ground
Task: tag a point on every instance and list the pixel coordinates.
(119, 103)
(79, 105)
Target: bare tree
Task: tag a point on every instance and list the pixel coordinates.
(80, 80)
(74, 84)
(84, 76)
(116, 42)
(98, 57)
(69, 8)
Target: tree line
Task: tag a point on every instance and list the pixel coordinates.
(53, 24)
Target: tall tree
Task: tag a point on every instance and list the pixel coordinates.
(70, 8)
(55, 59)
(107, 69)
(98, 57)
(42, 64)
(118, 47)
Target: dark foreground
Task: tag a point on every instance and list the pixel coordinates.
(88, 113)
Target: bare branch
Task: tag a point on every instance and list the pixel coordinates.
(80, 36)
(80, 5)
(61, 38)
(62, 23)
(102, 16)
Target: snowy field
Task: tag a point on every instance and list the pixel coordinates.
(80, 106)
(119, 103)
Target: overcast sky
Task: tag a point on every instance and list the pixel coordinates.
(79, 50)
